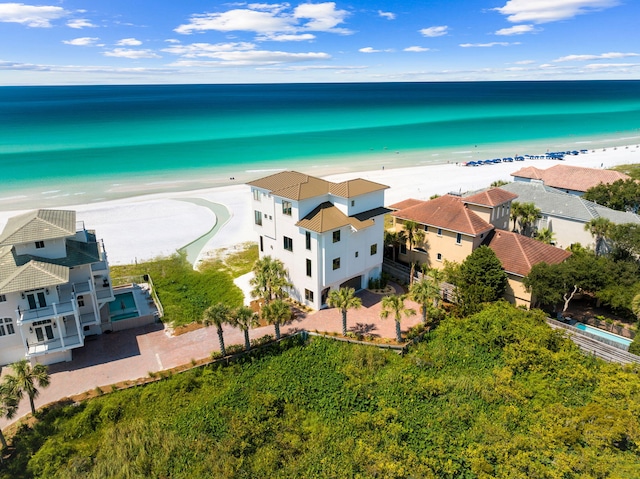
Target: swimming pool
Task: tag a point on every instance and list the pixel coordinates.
(603, 334)
(123, 307)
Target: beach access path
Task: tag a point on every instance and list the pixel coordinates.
(132, 354)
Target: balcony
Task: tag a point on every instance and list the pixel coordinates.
(54, 345)
(49, 312)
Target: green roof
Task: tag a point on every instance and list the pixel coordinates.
(38, 225)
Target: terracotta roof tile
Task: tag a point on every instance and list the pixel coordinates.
(446, 212)
(519, 253)
(326, 217)
(491, 197)
(406, 203)
(567, 177)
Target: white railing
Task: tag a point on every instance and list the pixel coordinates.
(53, 345)
(48, 312)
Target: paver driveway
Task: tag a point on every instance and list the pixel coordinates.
(132, 354)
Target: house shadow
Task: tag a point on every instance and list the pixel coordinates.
(105, 348)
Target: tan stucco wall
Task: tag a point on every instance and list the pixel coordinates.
(516, 293)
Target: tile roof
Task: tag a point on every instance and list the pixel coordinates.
(326, 217)
(298, 186)
(16, 275)
(446, 212)
(490, 197)
(557, 203)
(518, 253)
(405, 204)
(39, 225)
(567, 177)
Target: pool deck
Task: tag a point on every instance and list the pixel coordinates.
(132, 354)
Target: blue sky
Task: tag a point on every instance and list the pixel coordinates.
(174, 41)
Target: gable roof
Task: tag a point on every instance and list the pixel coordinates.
(491, 197)
(298, 186)
(326, 217)
(567, 177)
(518, 253)
(553, 202)
(446, 212)
(38, 225)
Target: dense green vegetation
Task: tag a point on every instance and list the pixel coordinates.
(496, 395)
(185, 293)
(633, 170)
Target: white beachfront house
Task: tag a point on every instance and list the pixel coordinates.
(328, 235)
(54, 283)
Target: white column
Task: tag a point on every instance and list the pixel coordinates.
(57, 320)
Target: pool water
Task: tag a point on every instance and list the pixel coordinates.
(123, 307)
(603, 334)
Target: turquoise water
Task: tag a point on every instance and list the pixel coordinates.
(603, 334)
(123, 307)
(99, 141)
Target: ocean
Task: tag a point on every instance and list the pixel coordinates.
(89, 143)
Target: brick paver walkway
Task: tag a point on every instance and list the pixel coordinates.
(133, 354)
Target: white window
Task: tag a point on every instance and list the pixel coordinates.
(336, 236)
(439, 231)
(39, 244)
(459, 238)
(3, 298)
(374, 248)
(308, 295)
(286, 208)
(256, 195)
(80, 301)
(6, 326)
(336, 263)
(258, 217)
(439, 257)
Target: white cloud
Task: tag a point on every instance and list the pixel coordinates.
(416, 49)
(607, 66)
(252, 58)
(387, 15)
(128, 53)
(603, 56)
(172, 40)
(237, 53)
(30, 15)
(369, 50)
(544, 11)
(488, 45)
(80, 23)
(435, 31)
(516, 30)
(322, 17)
(270, 19)
(525, 62)
(286, 37)
(128, 42)
(82, 42)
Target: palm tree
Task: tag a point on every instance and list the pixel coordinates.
(515, 213)
(277, 312)
(529, 214)
(395, 305)
(245, 319)
(24, 380)
(635, 306)
(545, 235)
(217, 315)
(424, 292)
(414, 234)
(599, 229)
(345, 299)
(8, 407)
(270, 279)
(395, 239)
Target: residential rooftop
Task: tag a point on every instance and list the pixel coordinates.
(567, 177)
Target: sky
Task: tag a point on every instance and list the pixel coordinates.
(195, 41)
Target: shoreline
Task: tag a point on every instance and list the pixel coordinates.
(142, 225)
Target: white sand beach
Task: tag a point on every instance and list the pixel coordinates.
(143, 227)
